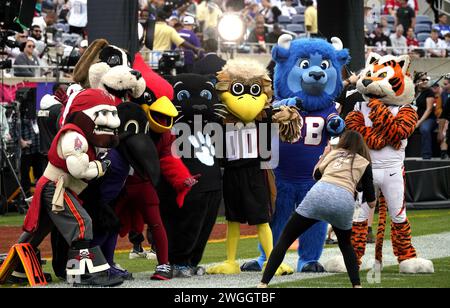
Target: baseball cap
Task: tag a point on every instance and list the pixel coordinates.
(188, 20)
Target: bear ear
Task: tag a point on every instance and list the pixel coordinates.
(280, 52)
(343, 57)
(372, 58)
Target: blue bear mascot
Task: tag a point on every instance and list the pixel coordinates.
(307, 75)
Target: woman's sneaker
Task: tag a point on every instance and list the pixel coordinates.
(162, 272)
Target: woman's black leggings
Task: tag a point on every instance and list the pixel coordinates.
(295, 227)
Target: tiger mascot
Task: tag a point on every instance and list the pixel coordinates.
(386, 120)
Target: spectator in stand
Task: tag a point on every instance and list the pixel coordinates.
(405, 16)
(411, 40)
(26, 57)
(311, 18)
(435, 46)
(77, 16)
(173, 20)
(385, 26)
(447, 43)
(378, 40)
(287, 9)
(272, 37)
(208, 14)
(438, 109)
(165, 35)
(211, 63)
(427, 120)
(391, 6)
(443, 136)
(442, 26)
(36, 33)
(269, 12)
(445, 90)
(188, 35)
(413, 44)
(398, 41)
(258, 35)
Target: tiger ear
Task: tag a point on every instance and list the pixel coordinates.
(372, 58)
(404, 61)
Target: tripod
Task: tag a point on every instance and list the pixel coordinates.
(4, 157)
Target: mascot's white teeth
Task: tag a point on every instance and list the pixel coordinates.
(103, 130)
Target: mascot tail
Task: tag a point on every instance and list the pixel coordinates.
(382, 214)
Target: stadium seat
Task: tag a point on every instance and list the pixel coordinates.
(421, 37)
(423, 19)
(284, 19)
(298, 19)
(296, 28)
(422, 28)
(300, 9)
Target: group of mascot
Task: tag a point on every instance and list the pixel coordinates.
(112, 168)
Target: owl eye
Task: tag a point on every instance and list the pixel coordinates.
(304, 64)
(132, 126)
(255, 90)
(237, 88)
(206, 94)
(183, 94)
(325, 64)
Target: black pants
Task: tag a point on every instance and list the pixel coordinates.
(295, 227)
(188, 228)
(27, 161)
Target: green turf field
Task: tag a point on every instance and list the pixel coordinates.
(389, 278)
(423, 223)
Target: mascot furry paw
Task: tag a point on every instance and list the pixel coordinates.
(307, 76)
(108, 67)
(386, 120)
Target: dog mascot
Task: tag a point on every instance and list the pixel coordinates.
(245, 91)
(386, 120)
(89, 124)
(307, 75)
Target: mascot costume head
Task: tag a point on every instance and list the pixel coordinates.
(245, 88)
(387, 79)
(309, 69)
(108, 67)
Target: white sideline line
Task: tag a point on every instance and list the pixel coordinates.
(428, 246)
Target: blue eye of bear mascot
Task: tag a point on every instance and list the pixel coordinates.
(307, 75)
